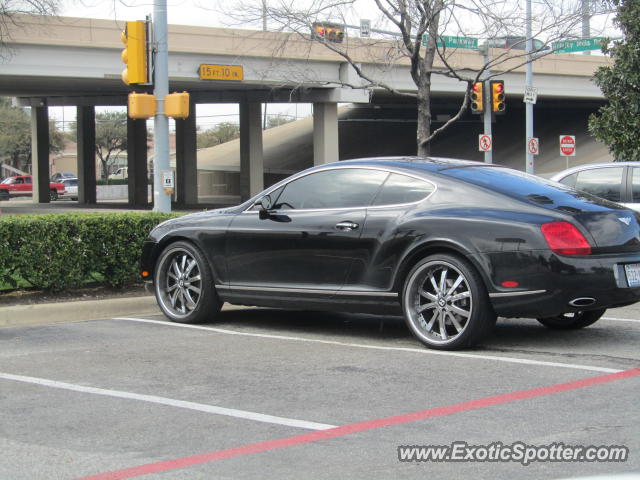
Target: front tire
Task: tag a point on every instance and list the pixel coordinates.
(572, 321)
(184, 286)
(445, 303)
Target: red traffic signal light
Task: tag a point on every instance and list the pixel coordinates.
(329, 31)
(497, 96)
(477, 98)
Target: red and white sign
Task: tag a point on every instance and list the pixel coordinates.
(533, 146)
(484, 143)
(567, 145)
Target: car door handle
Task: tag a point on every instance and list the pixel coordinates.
(346, 226)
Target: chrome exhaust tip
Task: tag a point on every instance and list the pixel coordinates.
(582, 302)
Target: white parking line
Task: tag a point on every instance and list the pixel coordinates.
(423, 351)
(612, 319)
(200, 407)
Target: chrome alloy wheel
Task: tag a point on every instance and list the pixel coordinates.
(439, 302)
(179, 284)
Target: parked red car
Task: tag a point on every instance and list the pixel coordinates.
(21, 186)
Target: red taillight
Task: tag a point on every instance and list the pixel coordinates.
(565, 239)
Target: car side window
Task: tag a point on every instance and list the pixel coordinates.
(19, 181)
(399, 189)
(339, 188)
(603, 182)
(635, 184)
(27, 180)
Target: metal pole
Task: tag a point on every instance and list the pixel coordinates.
(486, 100)
(264, 15)
(586, 27)
(161, 200)
(529, 82)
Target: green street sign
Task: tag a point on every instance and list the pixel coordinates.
(453, 42)
(567, 46)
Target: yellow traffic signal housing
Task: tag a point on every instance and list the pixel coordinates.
(330, 31)
(135, 55)
(176, 105)
(497, 97)
(477, 98)
(141, 105)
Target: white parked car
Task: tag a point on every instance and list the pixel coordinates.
(615, 181)
(70, 188)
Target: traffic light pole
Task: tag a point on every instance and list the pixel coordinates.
(161, 200)
(486, 92)
(529, 83)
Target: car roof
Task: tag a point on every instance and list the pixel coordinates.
(591, 166)
(431, 164)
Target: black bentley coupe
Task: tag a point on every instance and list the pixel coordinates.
(450, 244)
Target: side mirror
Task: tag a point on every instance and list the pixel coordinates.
(265, 205)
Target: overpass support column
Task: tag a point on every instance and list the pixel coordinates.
(251, 154)
(325, 133)
(86, 138)
(40, 153)
(137, 162)
(186, 159)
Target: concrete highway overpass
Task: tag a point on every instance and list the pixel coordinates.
(72, 61)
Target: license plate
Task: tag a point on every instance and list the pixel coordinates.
(633, 274)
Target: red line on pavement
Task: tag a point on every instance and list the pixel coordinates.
(358, 427)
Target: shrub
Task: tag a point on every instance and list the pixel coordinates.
(56, 252)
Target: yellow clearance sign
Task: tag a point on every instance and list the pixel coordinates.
(221, 72)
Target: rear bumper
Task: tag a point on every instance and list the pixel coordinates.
(548, 282)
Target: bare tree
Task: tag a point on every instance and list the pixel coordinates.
(11, 10)
(412, 31)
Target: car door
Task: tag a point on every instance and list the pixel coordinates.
(311, 236)
(19, 187)
(387, 235)
(26, 188)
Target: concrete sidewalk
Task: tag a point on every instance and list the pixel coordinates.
(76, 311)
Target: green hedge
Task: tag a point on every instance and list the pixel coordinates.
(57, 252)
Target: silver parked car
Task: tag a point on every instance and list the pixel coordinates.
(615, 181)
(70, 188)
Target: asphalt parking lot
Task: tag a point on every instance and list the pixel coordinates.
(263, 394)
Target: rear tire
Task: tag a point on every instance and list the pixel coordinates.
(53, 195)
(572, 321)
(445, 303)
(184, 286)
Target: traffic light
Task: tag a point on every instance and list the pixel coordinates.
(497, 96)
(134, 55)
(477, 98)
(141, 105)
(176, 105)
(329, 31)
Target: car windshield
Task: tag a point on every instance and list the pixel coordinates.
(7, 181)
